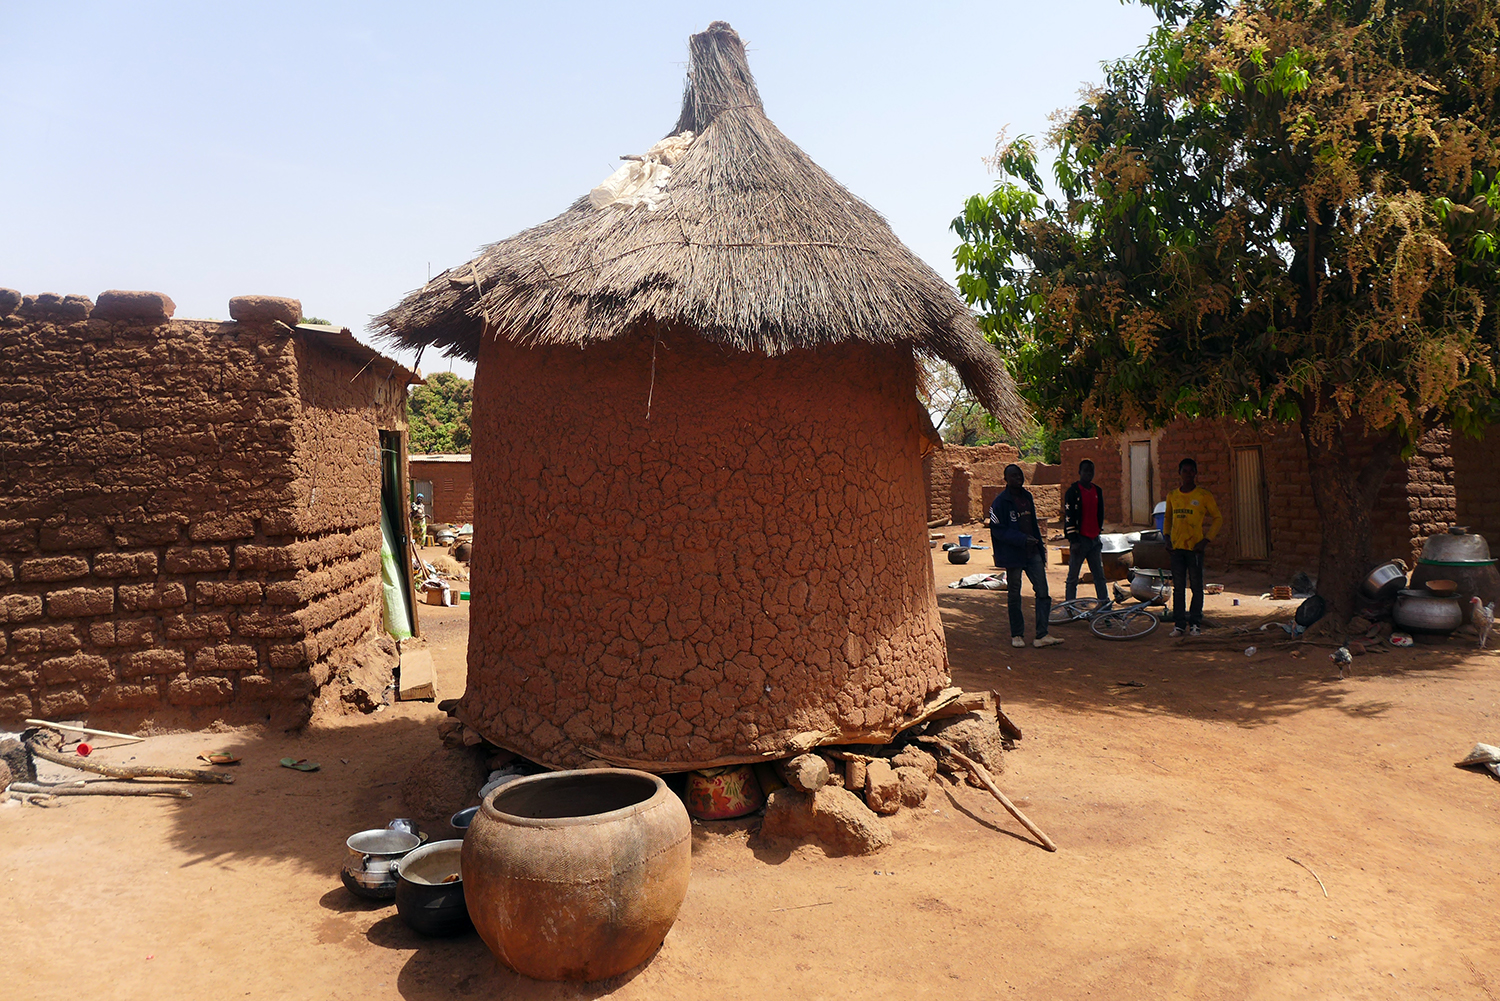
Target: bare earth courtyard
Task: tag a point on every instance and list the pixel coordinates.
(1177, 806)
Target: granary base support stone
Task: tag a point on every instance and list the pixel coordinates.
(832, 818)
(913, 782)
(805, 772)
(915, 757)
(977, 735)
(882, 788)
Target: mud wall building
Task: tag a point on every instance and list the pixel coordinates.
(446, 482)
(956, 476)
(191, 528)
(1260, 479)
(738, 567)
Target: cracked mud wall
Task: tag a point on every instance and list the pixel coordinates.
(748, 563)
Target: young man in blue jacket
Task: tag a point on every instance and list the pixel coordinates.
(1019, 549)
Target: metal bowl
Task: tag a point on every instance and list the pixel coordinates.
(461, 820)
(1384, 581)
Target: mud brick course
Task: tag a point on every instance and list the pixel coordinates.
(192, 508)
(748, 563)
(956, 476)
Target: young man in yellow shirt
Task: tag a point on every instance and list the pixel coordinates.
(1193, 520)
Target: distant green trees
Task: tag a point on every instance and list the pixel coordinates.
(438, 414)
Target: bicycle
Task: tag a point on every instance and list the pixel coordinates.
(1124, 623)
(1077, 609)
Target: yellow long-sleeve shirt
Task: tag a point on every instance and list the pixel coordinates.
(1186, 514)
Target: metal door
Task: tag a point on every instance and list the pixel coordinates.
(1140, 483)
(1250, 504)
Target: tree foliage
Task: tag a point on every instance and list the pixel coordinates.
(1278, 210)
(438, 414)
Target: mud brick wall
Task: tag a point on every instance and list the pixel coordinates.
(746, 564)
(1416, 499)
(1476, 480)
(1107, 470)
(452, 499)
(963, 503)
(191, 519)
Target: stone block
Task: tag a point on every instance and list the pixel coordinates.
(264, 309)
(7, 572)
(292, 687)
(10, 301)
(833, 818)
(284, 656)
(228, 592)
(77, 667)
(62, 704)
(914, 757)
(805, 772)
(222, 528)
(196, 559)
(882, 787)
(75, 537)
(200, 691)
(54, 568)
(196, 627)
(125, 565)
(137, 695)
(51, 306)
(119, 304)
(227, 657)
(145, 597)
(914, 784)
(80, 601)
(148, 662)
(20, 607)
(148, 533)
(58, 637)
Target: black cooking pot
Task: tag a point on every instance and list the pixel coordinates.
(430, 890)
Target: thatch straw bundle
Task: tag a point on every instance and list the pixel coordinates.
(752, 246)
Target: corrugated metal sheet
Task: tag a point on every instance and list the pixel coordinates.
(1250, 504)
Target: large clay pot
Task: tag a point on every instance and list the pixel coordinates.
(577, 875)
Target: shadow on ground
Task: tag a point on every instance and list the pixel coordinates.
(1206, 678)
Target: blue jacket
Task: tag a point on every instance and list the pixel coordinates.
(1010, 532)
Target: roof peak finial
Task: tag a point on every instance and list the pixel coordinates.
(718, 78)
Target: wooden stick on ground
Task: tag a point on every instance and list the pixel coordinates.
(124, 772)
(983, 775)
(102, 789)
(83, 729)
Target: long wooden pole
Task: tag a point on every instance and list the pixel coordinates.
(983, 775)
(127, 772)
(83, 729)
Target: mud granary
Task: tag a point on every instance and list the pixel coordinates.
(191, 525)
(699, 500)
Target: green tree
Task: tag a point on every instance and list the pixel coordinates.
(438, 414)
(1277, 211)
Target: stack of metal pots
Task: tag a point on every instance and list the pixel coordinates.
(1463, 558)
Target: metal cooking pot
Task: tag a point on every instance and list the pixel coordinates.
(430, 889)
(1150, 585)
(1455, 547)
(1421, 612)
(1384, 581)
(368, 868)
(1115, 542)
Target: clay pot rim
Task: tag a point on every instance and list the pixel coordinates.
(487, 805)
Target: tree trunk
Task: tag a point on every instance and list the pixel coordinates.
(1345, 491)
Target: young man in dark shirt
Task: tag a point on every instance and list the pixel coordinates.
(1020, 550)
(1083, 521)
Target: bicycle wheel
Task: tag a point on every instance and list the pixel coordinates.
(1072, 611)
(1125, 624)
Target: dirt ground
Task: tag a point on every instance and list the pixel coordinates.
(1177, 807)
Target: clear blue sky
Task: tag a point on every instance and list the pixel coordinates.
(332, 151)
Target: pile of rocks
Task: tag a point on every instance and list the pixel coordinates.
(838, 798)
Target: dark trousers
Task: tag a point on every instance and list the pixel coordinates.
(1086, 549)
(1036, 569)
(1187, 567)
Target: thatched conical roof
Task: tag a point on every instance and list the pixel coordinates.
(747, 242)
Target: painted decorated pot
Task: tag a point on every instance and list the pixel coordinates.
(577, 875)
(723, 793)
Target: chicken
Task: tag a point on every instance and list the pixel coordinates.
(1483, 618)
(1342, 657)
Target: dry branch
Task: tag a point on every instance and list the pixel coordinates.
(122, 771)
(101, 789)
(983, 775)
